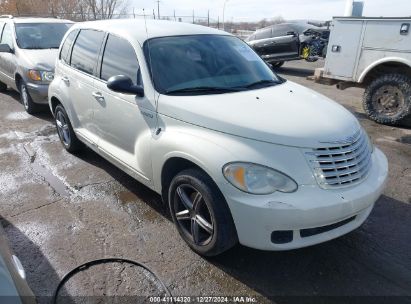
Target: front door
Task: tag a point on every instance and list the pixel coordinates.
(124, 122)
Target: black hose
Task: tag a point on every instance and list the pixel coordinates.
(104, 261)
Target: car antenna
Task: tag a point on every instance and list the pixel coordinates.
(145, 22)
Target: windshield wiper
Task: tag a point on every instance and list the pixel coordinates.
(261, 83)
(204, 90)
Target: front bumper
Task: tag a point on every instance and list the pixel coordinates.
(334, 212)
(38, 92)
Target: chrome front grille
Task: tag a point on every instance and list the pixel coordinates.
(342, 164)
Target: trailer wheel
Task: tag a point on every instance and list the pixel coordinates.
(387, 99)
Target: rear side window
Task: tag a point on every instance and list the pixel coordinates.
(86, 50)
(65, 49)
(119, 59)
(6, 37)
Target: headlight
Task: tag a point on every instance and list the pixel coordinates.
(258, 179)
(41, 75)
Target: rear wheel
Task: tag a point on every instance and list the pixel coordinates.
(201, 214)
(387, 99)
(65, 131)
(26, 99)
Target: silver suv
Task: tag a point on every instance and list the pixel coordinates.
(28, 50)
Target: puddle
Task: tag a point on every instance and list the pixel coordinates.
(47, 131)
(51, 179)
(405, 139)
(126, 197)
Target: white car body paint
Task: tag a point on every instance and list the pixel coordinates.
(274, 127)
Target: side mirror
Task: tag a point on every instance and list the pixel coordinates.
(5, 48)
(124, 84)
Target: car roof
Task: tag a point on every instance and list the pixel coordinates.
(35, 20)
(140, 30)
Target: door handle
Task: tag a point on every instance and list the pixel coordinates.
(98, 96)
(65, 79)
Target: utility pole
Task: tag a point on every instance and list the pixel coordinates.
(158, 9)
(225, 2)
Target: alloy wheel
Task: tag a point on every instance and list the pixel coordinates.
(193, 215)
(24, 96)
(63, 128)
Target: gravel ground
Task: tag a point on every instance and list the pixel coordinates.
(61, 210)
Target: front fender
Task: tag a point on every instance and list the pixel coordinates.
(191, 144)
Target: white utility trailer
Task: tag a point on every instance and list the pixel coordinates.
(374, 53)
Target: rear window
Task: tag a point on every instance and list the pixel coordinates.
(40, 35)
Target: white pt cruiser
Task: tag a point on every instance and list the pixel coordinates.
(238, 153)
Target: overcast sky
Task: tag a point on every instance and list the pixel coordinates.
(250, 10)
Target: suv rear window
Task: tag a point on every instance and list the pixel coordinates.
(86, 50)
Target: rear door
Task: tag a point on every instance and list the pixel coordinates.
(78, 75)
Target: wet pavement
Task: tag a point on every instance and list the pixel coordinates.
(61, 210)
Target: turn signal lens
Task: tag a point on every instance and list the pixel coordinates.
(258, 179)
(34, 75)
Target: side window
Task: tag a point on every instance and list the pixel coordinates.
(65, 49)
(86, 50)
(263, 34)
(280, 30)
(119, 59)
(6, 37)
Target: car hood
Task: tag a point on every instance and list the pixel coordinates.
(286, 114)
(39, 59)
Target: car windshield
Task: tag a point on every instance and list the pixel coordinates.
(40, 35)
(206, 64)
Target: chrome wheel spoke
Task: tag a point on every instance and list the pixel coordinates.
(205, 225)
(195, 233)
(183, 215)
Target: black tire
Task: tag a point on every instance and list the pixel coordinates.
(387, 100)
(209, 210)
(311, 59)
(3, 87)
(65, 131)
(26, 99)
(278, 64)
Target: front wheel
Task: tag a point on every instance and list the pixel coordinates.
(201, 214)
(26, 99)
(387, 99)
